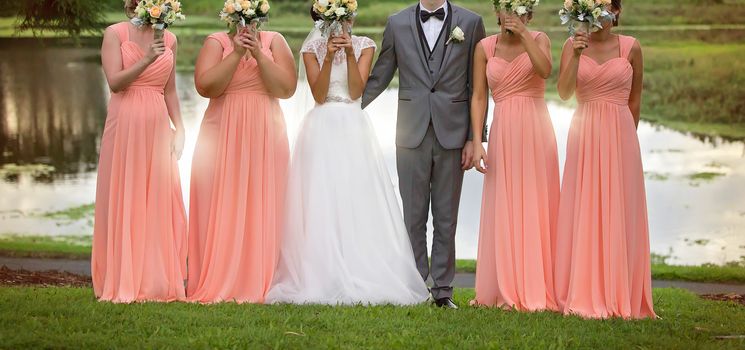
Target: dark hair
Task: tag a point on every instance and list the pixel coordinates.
(129, 7)
(314, 16)
(616, 5)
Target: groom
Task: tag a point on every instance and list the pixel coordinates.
(432, 45)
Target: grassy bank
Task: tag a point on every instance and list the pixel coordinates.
(70, 318)
(79, 247)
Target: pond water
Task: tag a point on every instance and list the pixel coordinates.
(53, 107)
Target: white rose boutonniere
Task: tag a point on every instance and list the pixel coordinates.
(456, 36)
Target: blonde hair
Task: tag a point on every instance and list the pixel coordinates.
(129, 7)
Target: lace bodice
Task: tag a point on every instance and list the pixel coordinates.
(338, 85)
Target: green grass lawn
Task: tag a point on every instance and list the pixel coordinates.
(71, 318)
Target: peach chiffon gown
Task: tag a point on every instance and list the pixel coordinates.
(521, 190)
(139, 235)
(602, 246)
(238, 181)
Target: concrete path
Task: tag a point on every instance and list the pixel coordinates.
(462, 280)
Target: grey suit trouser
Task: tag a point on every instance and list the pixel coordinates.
(431, 173)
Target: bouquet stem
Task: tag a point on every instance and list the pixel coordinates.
(159, 30)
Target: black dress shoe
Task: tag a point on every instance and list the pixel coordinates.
(446, 303)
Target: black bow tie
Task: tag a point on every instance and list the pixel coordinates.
(426, 15)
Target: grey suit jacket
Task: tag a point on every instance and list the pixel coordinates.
(445, 97)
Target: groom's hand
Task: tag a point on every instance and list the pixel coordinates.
(466, 155)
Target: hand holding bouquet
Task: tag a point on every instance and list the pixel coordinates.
(585, 14)
(515, 7)
(334, 13)
(158, 13)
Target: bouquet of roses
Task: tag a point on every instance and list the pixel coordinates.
(584, 13)
(245, 12)
(517, 7)
(158, 13)
(333, 12)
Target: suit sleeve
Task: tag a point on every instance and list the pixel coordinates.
(384, 69)
(479, 33)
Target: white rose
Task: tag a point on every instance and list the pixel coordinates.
(458, 34)
(264, 7)
(250, 12)
(521, 10)
(323, 3)
(237, 7)
(341, 11)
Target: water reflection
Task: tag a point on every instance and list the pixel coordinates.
(52, 106)
(53, 110)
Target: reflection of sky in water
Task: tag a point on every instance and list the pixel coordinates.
(681, 210)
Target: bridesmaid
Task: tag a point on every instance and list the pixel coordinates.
(521, 185)
(602, 246)
(139, 236)
(239, 170)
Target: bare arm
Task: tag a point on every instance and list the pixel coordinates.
(635, 99)
(279, 75)
(174, 109)
(212, 72)
(319, 76)
(385, 67)
(538, 49)
(479, 103)
(357, 71)
(570, 56)
(118, 77)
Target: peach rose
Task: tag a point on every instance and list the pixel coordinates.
(155, 12)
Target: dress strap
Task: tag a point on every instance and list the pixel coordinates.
(626, 43)
(489, 44)
(169, 38)
(122, 31)
(222, 38)
(266, 38)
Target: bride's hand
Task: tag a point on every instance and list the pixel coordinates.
(332, 46)
(479, 154)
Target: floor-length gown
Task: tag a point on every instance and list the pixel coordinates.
(344, 240)
(139, 237)
(238, 185)
(521, 190)
(602, 245)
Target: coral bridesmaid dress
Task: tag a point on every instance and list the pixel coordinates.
(139, 237)
(602, 246)
(521, 190)
(238, 182)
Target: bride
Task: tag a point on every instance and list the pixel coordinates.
(344, 238)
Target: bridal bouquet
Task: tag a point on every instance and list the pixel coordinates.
(245, 12)
(585, 14)
(333, 12)
(517, 7)
(158, 13)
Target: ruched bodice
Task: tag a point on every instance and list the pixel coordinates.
(512, 78)
(609, 82)
(247, 77)
(156, 74)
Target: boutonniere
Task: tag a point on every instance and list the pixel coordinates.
(456, 36)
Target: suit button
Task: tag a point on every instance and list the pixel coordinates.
(433, 90)
(431, 72)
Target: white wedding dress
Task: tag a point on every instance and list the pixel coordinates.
(344, 239)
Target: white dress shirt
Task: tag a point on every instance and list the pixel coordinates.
(432, 27)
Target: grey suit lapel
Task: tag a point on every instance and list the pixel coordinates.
(448, 48)
(413, 18)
